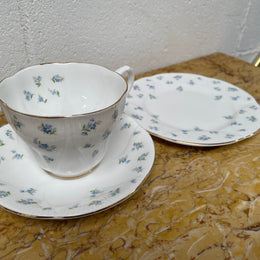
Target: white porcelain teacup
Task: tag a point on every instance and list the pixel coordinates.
(66, 112)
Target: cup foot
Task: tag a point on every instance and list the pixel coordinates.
(72, 177)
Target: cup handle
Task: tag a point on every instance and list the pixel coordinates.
(127, 73)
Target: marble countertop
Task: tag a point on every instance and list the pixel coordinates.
(197, 203)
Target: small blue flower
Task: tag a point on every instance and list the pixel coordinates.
(253, 107)
(213, 132)
(216, 82)
(251, 118)
(135, 87)
(125, 126)
(8, 133)
(241, 111)
(4, 193)
(159, 77)
(48, 159)
(30, 191)
(74, 206)
(27, 201)
(177, 77)
(28, 95)
(185, 132)
(17, 156)
(218, 97)
(150, 86)
(174, 135)
(154, 121)
(124, 160)
(229, 136)
(242, 130)
(197, 129)
(152, 96)
(45, 147)
(17, 123)
(138, 169)
(235, 123)
(169, 82)
(155, 116)
(47, 129)
(140, 95)
(191, 82)
(54, 92)
(88, 146)
(115, 114)
(228, 117)
(114, 192)
(235, 98)
(37, 81)
(57, 78)
(91, 125)
(95, 152)
(137, 117)
(2, 158)
(204, 137)
(217, 88)
(95, 203)
(154, 128)
(133, 180)
(137, 146)
(136, 132)
(180, 88)
(94, 192)
(232, 89)
(142, 157)
(106, 134)
(138, 108)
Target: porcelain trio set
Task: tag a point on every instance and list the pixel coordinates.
(68, 120)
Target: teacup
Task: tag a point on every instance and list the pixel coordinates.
(66, 113)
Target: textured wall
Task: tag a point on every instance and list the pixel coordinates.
(143, 34)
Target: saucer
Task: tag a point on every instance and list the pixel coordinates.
(193, 110)
(27, 190)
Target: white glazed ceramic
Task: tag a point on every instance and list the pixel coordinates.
(27, 190)
(193, 110)
(65, 112)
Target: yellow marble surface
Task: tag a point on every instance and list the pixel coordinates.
(198, 203)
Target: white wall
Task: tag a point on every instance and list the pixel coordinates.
(143, 34)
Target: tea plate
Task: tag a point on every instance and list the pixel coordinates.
(27, 190)
(193, 110)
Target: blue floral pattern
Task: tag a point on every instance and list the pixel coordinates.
(45, 147)
(41, 99)
(90, 126)
(129, 171)
(236, 107)
(57, 78)
(17, 123)
(16, 155)
(37, 80)
(48, 159)
(4, 194)
(47, 129)
(28, 95)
